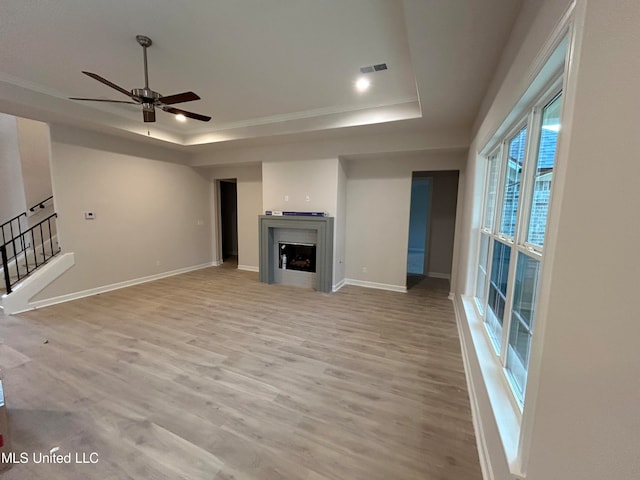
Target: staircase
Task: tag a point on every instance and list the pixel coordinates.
(25, 247)
(26, 263)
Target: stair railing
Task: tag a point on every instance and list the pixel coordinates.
(40, 204)
(5, 268)
(12, 228)
(21, 248)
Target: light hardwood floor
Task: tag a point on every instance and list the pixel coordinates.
(213, 375)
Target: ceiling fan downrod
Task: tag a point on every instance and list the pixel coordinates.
(145, 94)
(145, 42)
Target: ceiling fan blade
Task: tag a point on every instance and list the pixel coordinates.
(108, 83)
(179, 98)
(195, 116)
(102, 100)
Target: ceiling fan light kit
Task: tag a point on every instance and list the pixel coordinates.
(146, 97)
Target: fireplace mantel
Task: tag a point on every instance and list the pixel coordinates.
(324, 245)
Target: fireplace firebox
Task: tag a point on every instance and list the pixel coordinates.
(297, 256)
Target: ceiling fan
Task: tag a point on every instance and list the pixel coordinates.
(147, 97)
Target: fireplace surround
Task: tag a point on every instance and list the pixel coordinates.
(323, 226)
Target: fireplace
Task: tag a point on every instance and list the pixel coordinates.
(297, 250)
(297, 256)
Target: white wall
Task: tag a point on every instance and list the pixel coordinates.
(340, 227)
(25, 176)
(521, 28)
(249, 185)
(310, 185)
(442, 225)
(581, 416)
(12, 199)
(378, 201)
(151, 216)
(33, 139)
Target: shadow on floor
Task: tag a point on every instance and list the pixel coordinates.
(230, 261)
(422, 282)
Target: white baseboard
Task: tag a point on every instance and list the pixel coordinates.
(379, 286)
(338, 285)
(216, 263)
(114, 286)
(446, 276)
(248, 268)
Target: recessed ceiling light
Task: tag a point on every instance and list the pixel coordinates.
(363, 84)
(181, 118)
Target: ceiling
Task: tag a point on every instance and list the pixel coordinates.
(261, 67)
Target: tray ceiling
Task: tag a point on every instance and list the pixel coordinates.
(262, 68)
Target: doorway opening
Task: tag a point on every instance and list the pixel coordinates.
(419, 216)
(228, 222)
(432, 220)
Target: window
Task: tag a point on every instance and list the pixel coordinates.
(517, 197)
(481, 279)
(511, 195)
(488, 215)
(521, 329)
(498, 292)
(492, 192)
(543, 175)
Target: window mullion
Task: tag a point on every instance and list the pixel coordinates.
(504, 160)
(506, 321)
(498, 158)
(530, 252)
(485, 194)
(487, 280)
(534, 251)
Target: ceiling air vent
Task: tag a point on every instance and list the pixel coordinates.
(373, 68)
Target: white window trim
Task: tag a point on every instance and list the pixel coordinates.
(507, 415)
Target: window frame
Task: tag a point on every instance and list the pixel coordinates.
(510, 135)
(532, 120)
(550, 94)
(481, 303)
